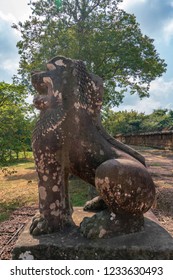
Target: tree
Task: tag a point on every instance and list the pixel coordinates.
(15, 125)
(123, 122)
(11, 93)
(133, 122)
(107, 38)
(160, 119)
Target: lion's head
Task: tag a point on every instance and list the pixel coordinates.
(66, 83)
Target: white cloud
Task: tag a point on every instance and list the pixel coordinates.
(161, 96)
(161, 88)
(127, 3)
(18, 10)
(10, 65)
(11, 11)
(7, 17)
(146, 105)
(168, 31)
(8, 52)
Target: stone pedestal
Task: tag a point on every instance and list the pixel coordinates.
(153, 242)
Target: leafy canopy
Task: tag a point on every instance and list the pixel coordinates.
(107, 38)
(133, 122)
(11, 93)
(15, 122)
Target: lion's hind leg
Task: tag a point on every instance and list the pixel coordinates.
(128, 190)
(125, 186)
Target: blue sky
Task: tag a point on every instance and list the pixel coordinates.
(156, 21)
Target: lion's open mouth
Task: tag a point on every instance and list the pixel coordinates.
(42, 84)
(42, 89)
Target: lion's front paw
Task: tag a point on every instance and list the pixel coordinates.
(96, 204)
(106, 224)
(95, 226)
(39, 225)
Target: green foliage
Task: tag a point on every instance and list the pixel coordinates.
(133, 122)
(58, 4)
(161, 119)
(108, 39)
(15, 123)
(11, 93)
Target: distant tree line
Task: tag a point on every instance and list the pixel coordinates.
(125, 122)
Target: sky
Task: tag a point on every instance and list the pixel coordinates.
(156, 20)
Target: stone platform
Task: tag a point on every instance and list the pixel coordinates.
(154, 243)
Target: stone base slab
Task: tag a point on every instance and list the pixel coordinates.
(153, 242)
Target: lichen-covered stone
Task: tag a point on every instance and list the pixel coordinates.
(95, 204)
(69, 139)
(105, 224)
(153, 242)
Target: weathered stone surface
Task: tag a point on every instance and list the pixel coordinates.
(95, 204)
(157, 139)
(153, 242)
(105, 224)
(69, 139)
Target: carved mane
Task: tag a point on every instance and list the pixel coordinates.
(86, 92)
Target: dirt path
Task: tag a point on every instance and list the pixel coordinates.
(160, 165)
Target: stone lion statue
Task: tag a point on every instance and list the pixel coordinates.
(69, 139)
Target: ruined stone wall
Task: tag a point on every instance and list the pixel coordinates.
(153, 139)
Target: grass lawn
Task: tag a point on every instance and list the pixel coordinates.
(18, 187)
